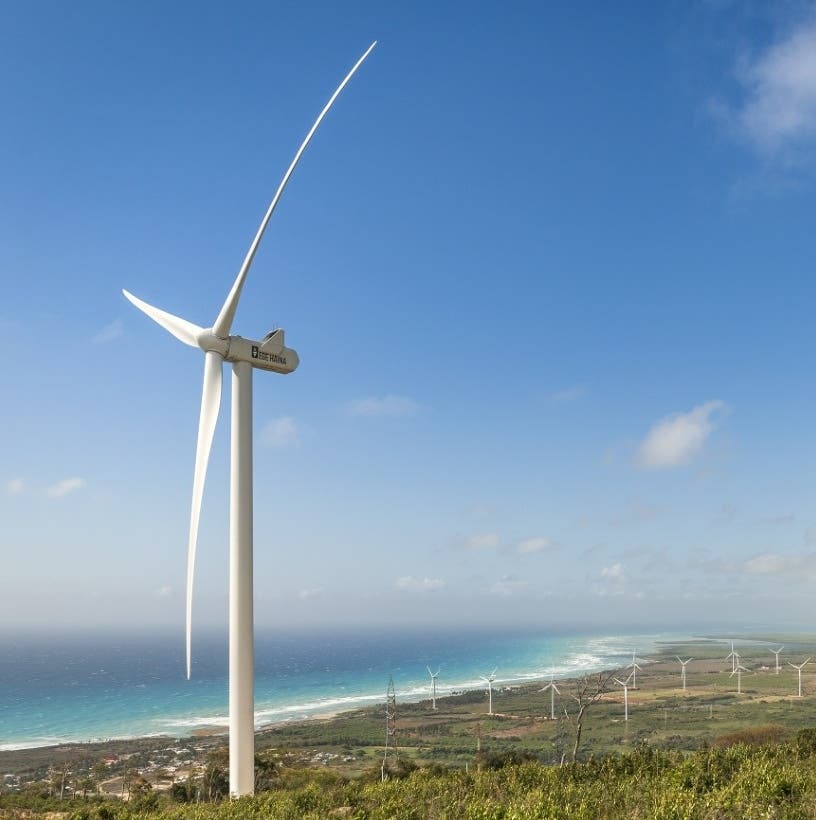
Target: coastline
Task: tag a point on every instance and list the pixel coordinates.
(352, 738)
(581, 654)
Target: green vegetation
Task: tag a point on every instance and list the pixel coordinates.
(742, 780)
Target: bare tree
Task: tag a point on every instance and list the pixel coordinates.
(588, 692)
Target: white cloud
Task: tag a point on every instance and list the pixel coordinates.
(67, 485)
(532, 545)
(779, 110)
(615, 572)
(567, 394)
(479, 541)
(411, 584)
(389, 405)
(163, 592)
(769, 563)
(678, 438)
(508, 585)
(280, 432)
(15, 486)
(310, 593)
(110, 332)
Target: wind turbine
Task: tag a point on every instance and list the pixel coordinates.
(268, 354)
(434, 676)
(776, 654)
(733, 657)
(738, 670)
(683, 664)
(625, 685)
(799, 669)
(553, 691)
(634, 666)
(489, 681)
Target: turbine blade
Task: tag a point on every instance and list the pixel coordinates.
(210, 404)
(183, 330)
(224, 321)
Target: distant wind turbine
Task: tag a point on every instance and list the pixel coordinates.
(634, 666)
(738, 670)
(625, 685)
(799, 670)
(733, 657)
(553, 691)
(434, 676)
(683, 664)
(776, 654)
(270, 354)
(489, 681)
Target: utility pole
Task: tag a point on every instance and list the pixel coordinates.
(390, 728)
(478, 746)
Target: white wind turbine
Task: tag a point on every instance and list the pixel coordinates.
(634, 666)
(434, 676)
(776, 655)
(733, 657)
(489, 681)
(738, 670)
(625, 685)
(553, 692)
(268, 354)
(683, 664)
(799, 670)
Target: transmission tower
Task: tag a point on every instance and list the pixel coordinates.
(391, 748)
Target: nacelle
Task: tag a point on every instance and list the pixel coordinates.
(268, 354)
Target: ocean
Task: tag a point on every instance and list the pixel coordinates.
(100, 687)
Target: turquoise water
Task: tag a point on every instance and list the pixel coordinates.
(53, 691)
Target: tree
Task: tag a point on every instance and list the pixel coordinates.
(142, 796)
(587, 693)
(100, 774)
(215, 780)
(266, 773)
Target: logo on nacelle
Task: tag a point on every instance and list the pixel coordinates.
(263, 356)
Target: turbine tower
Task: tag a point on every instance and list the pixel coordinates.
(799, 670)
(553, 691)
(738, 670)
(268, 354)
(776, 655)
(625, 685)
(434, 676)
(489, 681)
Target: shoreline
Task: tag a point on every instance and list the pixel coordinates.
(345, 733)
(217, 725)
(210, 731)
(203, 739)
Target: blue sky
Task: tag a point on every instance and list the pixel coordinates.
(549, 270)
